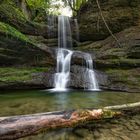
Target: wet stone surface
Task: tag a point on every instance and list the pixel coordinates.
(127, 128)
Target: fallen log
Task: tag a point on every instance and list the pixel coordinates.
(15, 127)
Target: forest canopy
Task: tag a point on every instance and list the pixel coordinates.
(54, 6)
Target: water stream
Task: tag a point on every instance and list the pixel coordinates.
(90, 76)
(63, 69)
(64, 55)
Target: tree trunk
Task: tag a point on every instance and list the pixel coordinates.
(20, 126)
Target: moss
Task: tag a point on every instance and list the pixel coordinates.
(8, 9)
(12, 74)
(129, 77)
(9, 30)
(109, 113)
(38, 4)
(117, 63)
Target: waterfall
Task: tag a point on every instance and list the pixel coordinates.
(90, 76)
(64, 32)
(63, 69)
(64, 54)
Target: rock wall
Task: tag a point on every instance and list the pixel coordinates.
(120, 63)
(20, 42)
(23, 42)
(119, 15)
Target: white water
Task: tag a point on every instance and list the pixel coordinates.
(63, 54)
(90, 76)
(63, 69)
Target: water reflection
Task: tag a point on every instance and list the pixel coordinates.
(27, 102)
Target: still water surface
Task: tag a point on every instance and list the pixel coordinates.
(35, 101)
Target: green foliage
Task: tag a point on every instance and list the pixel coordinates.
(38, 4)
(9, 30)
(11, 74)
(10, 11)
(74, 4)
(49, 6)
(54, 7)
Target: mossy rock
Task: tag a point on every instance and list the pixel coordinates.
(119, 15)
(9, 30)
(134, 52)
(118, 63)
(17, 48)
(20, 74)
(11, 14)
(128, 79)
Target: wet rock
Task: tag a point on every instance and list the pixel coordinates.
(44, 78)
(82, 133)
(125, 138)
(129, 127)
(78, 79)
(96, 134)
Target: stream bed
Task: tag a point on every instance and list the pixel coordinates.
(22, 102)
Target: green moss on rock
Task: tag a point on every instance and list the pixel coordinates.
(129, 78)
(10, 12)
(9, 30)
(13, 74)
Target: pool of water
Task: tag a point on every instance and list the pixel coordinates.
(36, 101)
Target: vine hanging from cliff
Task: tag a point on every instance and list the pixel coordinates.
(107, 26)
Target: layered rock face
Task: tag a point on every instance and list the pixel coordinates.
(119, 15)
(120, 63)
(21, 38)
(23, 43)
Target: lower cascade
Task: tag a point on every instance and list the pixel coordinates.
(90, 76)
(64, 55)
(63, 69)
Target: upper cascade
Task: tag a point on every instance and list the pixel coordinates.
(64, 54)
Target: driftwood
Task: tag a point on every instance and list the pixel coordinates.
(15, 127)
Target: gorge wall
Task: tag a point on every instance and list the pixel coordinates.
(24, 43)
(121, 63)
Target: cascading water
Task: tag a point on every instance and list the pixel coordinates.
(63, 54)
(63, 69)
(90, 76)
